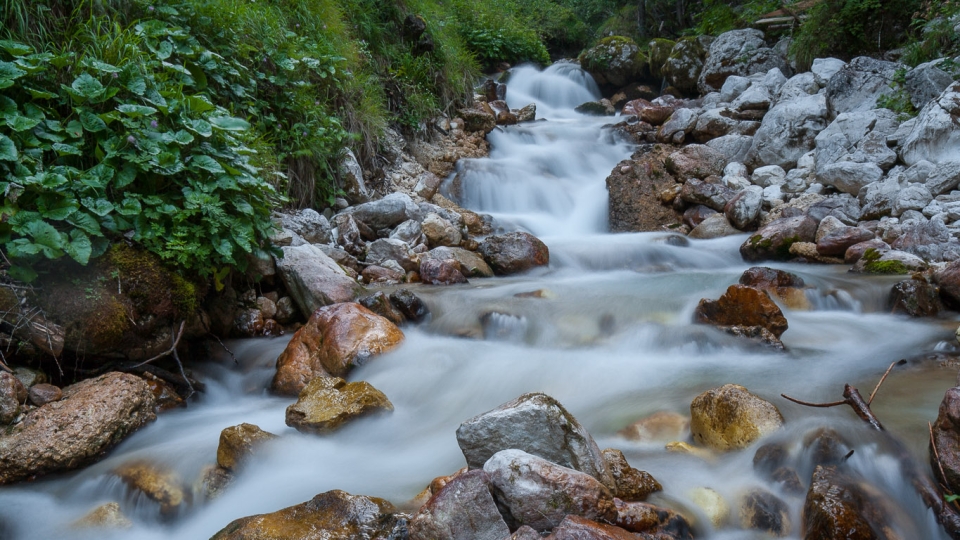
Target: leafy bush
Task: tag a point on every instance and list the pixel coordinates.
(494, 35)
(937, 33)
(718, 17)
(898, 101)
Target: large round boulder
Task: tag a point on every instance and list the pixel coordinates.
(773, 241)
(936, 135)
(741, 305)
(514, 252)
(731, 418)
(738, 52)
(463, 509)
(615, 60)
(684, 64)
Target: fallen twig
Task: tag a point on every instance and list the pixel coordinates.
(172, 350)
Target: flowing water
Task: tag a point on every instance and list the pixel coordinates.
(607, 333)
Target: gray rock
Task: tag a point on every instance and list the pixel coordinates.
(857, 85)
(918, 172)
(902, 263)
(453, 217)
(774, 80)
(733, 147)
(428, 183)
(828, 225)
(878, 199)
(936, 135)
(930, 240)
(471, 264)
(873, 149)
(800, 85)
(842, 206)
(684, 65)
(463, 509)
(714, 123)
(788, 131)
(541, 494)
(387, 212)
(309, 225)
(351, 178)
(313, 279)
(539, 425)
(797, 181)
(715, 196)
(390, 249)
(925, 82)
(440, 232)
(911, 197)
(733, 87)
(12, 394)
(944, 177)
(772, 196)
(409, 231)
(713, 226)
(849, 177)
(681, 123)
(771, 175)
(744, 208)
(842, 135)
(347, 234)
(738, 52)
(824, 69)
(755, 98)
(773, 241)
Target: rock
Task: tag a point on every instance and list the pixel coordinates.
(351, 179)
(92, 417)
(857, 85)
(915, 298)
(744, 208)
(684, 65)
(475, 119)
(334, 515)
(526, 114)
(635, 187)
(841, 206)
(440, 232)
(410, 305)
(764, 511)
(539, 493)
(888, 262)
(615, 60)
(409, 232)
(463, 509)
(309, 225)
(738, 52)
(789, 288)
(326, 403)
(849, 177)
(267, 307)
(387, 212)
(238, 443)
(773, 241)
(696, 214)
(596, 108)
(577, 528)
(855, 252)
(879, 198)
(944, 177)
(757, 97)
(742, 305)
(733, 87)
(526, 533)
(873, 149)
(159, 484)
(12, 394)
(935, 136)
(800, 85)
(380, 304)
(824, 69)
(389, 274)
(348, 234)
(838, 242)
(313, 279)
(771, 175)
(29, 377)
(712, 504)
(788, 131)
(807, 252)
(680, 124)
(249, 323)
(538, 424)
(105, 516)
(639, 517)
(733, 147)
(214, 481)
(925, 83)
(471, 264)
(836, 507)
(41, 394)
(715, 196)
(512, 253)
(660, 426)
(695, 161)
(333, 341)
(911, 197)
(731, 418)
(645, 111)
(714, 226)
(441, 272)
(929, 240)
(389, 249)
(631, 484)
(946, 439)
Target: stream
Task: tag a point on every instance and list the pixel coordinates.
(609, 336)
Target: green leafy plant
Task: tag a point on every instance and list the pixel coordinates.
(899, 100)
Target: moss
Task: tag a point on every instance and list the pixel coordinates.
(885, 267)
(871, 254)
(783, 251)
(185, 296)
(152, 287)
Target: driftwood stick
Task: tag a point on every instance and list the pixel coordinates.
(809, 404)
(172, 350)
(889, 369)
(861, 407)
(936, 455)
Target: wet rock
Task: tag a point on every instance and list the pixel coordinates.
(696, 161)
(744, 208)
(683, 447)
(680, 124)
(837, 508)
(388, 275)
(476, 119)
(631, 484)
(538, 424)
(715, 196)
(731, 418)
(527, 113)
(742, 305)
(471, 264)
(786, 286)
(596, 108)
(313, 279)
(267, 307)
(463, 509)
(214, 481)
(238, 443)
(655, 115)
(773, 241)
(695, 215)
(757, 334)
(660, 426)
(389, 249)
(515, 252)
(410, 305)
(855, 252)
(712, 504)
(888, 262)
(788, 131)
(639, 517)
(540, 493)
(92, 417)
(165, 394)
(335, 340)
(764, 511)
(714, 226)
(380, 304)
(334, 515)
(857, 85)
(577, 528)
(635, 186)
(915, 298)
(12, 394)
(249, 323)
(807, 252)
(738, 52)
(105, 516)
(329, 402)
(440, 232)
(41, 394)
(159, 484)
(441, 272)
(836, 243)
(935, 136)
(946, 439)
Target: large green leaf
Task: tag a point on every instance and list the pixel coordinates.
(10, 72)
(200, 127)
(129, 207)
(15, 48)
(86, 222)
(100, 207)
(136, 111)
(79, 247)
(66, 149)
(207, 163)
(91, 122)
(229, 123)
(137, 85)
(75, 129)
(60, 210)
(19, 122)
(22, 273)
(8, 150)
(86, 86)
(43, 234)
(103, 67)
(127, 175)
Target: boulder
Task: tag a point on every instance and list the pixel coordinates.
(770, 175)
(744, 208)
(390, 273)
(680, 124)
(764, 511)
(858, 84)
(713, 123)
(390, 249)
(661, 426)
(824, 69)
(788, 131)
(471, 264)
(441, 272)
(849, 177)
(615, 60)
(539, 425)
(713, 226)
(631, 484)
(684, 64)
(731, 418)
(756, 98)
(943, 177)
(733, 147)
(879, 199)
(855, 252)
(463, 509)
(313, 279)
(651, 521)
(930, 240)
(738, 52)
(893, 261)
(744, 306)
(602, 107)
(515, 252)
(410, 305)
(105, 516)
(645, 111)
(478, 119)
(935, 136)
(925, 82)
(350, 175)
(842, 206)
(12, 394)
(838, 507)
(695, 161)
(786, 286)
(93, 416)
(160, 484)
(334, 515)
(333, 341)
(911, 197)
(440, 232)
(527, 113)
(635, 187)
(733, 87)
(539, 493)
(836, 243)
(577, 528)
(327, 403)
(800, 85)
(773, 241)
(387, 212)
(916, 298)
(238, 444)
(309, 225)
(712, 504)
(714, 196)
(380, 304)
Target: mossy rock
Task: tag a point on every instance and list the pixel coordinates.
(683, 66)
(615, 60)
(659, 52)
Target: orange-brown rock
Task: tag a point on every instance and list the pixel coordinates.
(661, 426)
(631, 484)
(731, 418)
(635, 186)
(646, 518)
(334, 515)
(648, 112)
(329, 402)
(577, 528)
(335, 340)
(238, 443)
(838, 507)
(158, 483)
(788, 287)
(745, 306)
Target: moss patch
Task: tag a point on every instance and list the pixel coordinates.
(885, 267)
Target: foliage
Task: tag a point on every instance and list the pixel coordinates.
(494, 35)
(937, 25)
(718, 16)
(898, 101)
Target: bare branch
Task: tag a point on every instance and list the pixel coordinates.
(172, 350)
(900, 362)
(808, 404)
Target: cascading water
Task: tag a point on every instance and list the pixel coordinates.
(605, 330)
